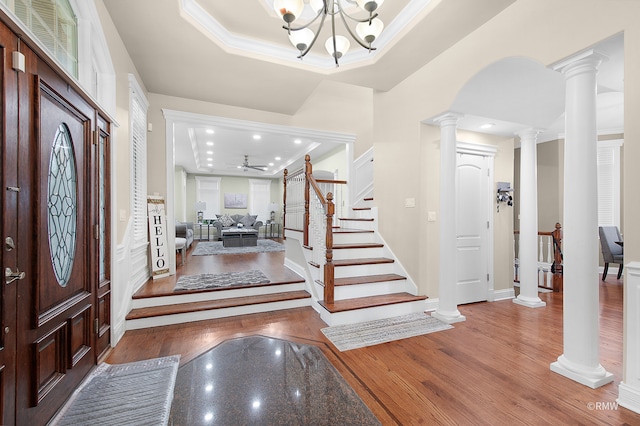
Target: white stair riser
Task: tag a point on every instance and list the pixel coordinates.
(370, 314)
(364, 270)
(357, 224)
(368, 289)
(188, 297)
(358, 253)
(353, 237)
(215, 313)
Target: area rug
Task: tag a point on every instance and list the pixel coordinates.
(369, 333)
(222, 280)
(137, 393)
(205, 248)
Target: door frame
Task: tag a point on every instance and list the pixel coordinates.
(488, 151)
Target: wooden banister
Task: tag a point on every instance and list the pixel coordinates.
(556, 267)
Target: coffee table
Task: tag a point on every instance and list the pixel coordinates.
(239, 237)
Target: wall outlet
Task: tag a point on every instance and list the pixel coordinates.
(431, 216)
(409, 202)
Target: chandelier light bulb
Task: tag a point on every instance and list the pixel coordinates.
(342, 46)
(289, 10)
(369, 5)
(369, 31)
(301, 39)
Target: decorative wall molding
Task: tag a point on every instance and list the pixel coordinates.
(629, 388)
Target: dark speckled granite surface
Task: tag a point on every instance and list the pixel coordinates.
(264, 381)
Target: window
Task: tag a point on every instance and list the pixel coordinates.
(208, 192)
(138, 128)
(54, 24)
(609, 182)
(259, 198)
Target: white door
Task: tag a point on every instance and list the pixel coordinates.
(472, 228)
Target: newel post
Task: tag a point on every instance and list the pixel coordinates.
(557, 258)
(307, 187)
(328, 266)
(284, 205)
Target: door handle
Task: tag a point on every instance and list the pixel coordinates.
(11, 276)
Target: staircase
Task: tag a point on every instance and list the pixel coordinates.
(184, 307)
(369, 282)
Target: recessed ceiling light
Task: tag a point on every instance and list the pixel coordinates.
(298, 141)
(257, 137)
(209, 165)
(271, 164)
(210, 152)
(277, 158)
(210, 131)
(210, 143)
(209, 159)
(487, 126)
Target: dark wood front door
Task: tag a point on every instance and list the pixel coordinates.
(54, 230)
(8, 227)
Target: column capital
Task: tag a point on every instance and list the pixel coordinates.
(588, 60)
(449, 118)
(529, 134)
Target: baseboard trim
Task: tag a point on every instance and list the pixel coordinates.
(506, 294)
(629, 397)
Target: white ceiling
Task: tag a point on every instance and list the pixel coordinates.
(240, 56)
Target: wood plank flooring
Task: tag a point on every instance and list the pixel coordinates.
(492, 369)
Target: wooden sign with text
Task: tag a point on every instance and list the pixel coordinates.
(158, 237)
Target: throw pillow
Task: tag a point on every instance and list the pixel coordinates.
(248, 220)
(226, 220)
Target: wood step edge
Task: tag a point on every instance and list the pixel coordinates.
(208, 305)
(218, 289)
(346, 305)
(361, 208)
(368, 199)
(363, 261)
(364, 279)
(357, 246)
(351, 231)
(357, 219)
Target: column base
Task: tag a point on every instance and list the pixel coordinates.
(449, 318)
(629, 397)
(594, 378)
(530, 302)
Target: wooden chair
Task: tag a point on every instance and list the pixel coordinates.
(612, 252)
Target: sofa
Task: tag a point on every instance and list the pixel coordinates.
(185, 230)
(225, 221)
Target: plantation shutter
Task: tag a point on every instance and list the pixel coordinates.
(609, 183)
(208, 191)
(139, 165)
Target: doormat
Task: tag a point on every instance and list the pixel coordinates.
(137, 393)
(205, 248)
(369, 333)
(223, 280)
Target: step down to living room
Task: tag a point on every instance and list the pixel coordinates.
(188, 306)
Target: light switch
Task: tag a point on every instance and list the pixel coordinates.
(409, 202)
(431, 216)
(123, 215)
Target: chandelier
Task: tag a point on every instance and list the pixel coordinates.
(303, 38)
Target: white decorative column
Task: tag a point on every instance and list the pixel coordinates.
(629, 388)
(447, 304)
(580, 360)
(528, 252)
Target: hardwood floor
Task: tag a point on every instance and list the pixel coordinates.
(491, 369)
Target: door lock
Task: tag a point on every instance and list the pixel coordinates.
(9, 244)
(11, 276)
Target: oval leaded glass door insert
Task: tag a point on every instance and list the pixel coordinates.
(62, 205)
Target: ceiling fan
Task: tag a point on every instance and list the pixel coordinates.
(246, 166)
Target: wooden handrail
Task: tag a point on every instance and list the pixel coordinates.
(556, 268)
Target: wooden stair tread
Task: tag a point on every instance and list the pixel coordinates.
(369, 302)
(366, 279)
(205, 305)
(357, 245)
(207, 290)
(362, 208)
(363, 261)
(350, 231)
(357, 219)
